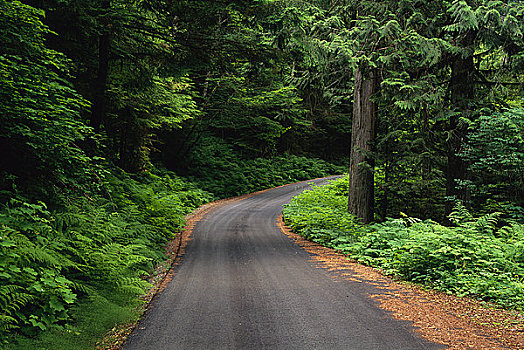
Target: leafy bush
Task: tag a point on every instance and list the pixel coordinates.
(321, 214)
(474, 257)
(40, 118)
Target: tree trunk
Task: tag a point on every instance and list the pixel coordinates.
(361, 170)
(99, 100)
(462, 93)
(426, 160)
(134, 152)
(387, 169)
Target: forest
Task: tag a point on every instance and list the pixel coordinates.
(118, 118)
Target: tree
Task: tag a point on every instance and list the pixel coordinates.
(98, 108)
(481, 32)
(125, 65)
(40, 123)
(494, 153)
(436, 62)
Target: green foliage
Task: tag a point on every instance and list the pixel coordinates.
(255, 120)
(51, 260)
(321, 214)
(35, 290)
(78, 232)
(475, 257)
(416, 49)
(39, 111)
(230, 93)
(217, 168)
(495, 154)
(93, 315)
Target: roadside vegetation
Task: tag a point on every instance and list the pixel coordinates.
(479, 256)
(227, 178)
(76, 271)
(119, 117)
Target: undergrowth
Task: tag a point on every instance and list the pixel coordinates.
(475, 257)
(68, 275)
(232, 176)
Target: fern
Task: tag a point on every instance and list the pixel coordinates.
(7, 323)
(486, 224)
(12, 298)
(471, 258)
(460, 214)
(133, 285)
(51, 260)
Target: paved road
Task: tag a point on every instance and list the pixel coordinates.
(244, 285)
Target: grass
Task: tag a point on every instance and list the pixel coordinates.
(92, 318)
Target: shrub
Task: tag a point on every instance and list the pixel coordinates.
(217, 168)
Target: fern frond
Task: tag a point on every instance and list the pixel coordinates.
(46, 257)
(12, 298)
(460, 215)
(133, 285)
(7, 323)
(514, 232)
(487, 224)
(79, 287)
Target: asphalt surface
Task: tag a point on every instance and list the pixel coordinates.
(244, 285)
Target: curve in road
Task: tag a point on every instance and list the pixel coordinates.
(244, 285)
